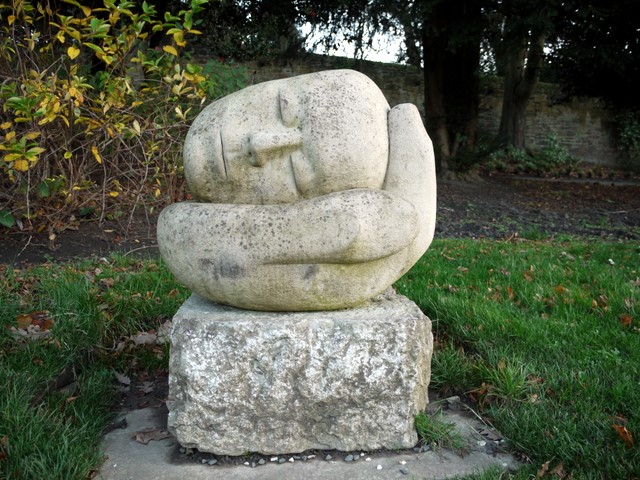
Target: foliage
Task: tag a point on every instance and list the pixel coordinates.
(597, 52)
(64, 331)
(264, 30)
(91, 111)
(629, 138)
(554, 154)
(552, 158)
(544, 337)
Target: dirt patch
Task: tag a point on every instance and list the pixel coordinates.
(497, 206)
(501, 206)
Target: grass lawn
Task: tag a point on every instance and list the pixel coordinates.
(543, 336)
(77, 322)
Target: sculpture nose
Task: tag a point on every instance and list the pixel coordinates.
(263, 145)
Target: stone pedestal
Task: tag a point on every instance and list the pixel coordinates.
(245, 381)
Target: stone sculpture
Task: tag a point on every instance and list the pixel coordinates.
(310, 194)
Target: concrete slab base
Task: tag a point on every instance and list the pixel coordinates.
(127, 459)
(280, 382)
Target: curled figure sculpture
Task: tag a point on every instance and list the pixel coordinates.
(310, 193)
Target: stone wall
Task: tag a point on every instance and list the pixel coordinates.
(583, 126)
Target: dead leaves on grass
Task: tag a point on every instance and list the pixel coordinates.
(620, 426)
(625, 435)
(32, 326)
(556, 472)
(626, 320)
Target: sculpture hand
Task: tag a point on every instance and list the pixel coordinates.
(411, 171)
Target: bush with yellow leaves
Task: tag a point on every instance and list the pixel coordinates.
(94, 104)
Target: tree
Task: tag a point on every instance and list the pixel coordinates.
(248, 30)
(598, 52)
(451, 61)
(518, 38)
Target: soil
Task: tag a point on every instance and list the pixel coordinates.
(495, 206)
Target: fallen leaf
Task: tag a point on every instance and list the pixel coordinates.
(23, 320)
(535, 379)
(148, 434)
(33, 331)
(146, 387)
(603, 300)
(543, 470)
(39, 318)
(123, 379)
(510, 293)
(625, 435)
(626, 320)
(560, 289)
(558, 470)
(528, 276)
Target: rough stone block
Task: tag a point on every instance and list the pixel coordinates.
(270, 382)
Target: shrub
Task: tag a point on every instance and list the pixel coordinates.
(553, 158)
(554, 154)
(94, 105)
(629, 139)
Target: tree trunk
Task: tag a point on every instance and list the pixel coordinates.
(523, 61)
(434, 97)
(451, 77)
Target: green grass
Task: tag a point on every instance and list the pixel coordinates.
(545, 337)
(434, 429)
(53, 433)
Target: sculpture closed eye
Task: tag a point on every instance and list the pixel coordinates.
(333, 201)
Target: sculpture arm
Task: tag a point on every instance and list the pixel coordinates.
(343, 227)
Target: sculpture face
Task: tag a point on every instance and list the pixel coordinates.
(287, 140)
